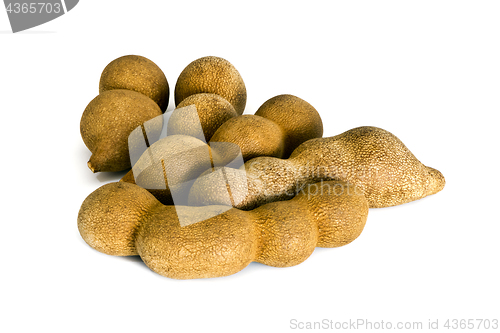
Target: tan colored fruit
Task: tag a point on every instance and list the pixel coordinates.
(293, 120)
(109, 217)
(374, 160)
(107, 122)
(298, 119)
(255, 135)
(280, 125)
(212, 75)
(213, 111)
(118, 216)
(138, 74)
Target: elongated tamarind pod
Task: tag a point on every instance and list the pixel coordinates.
(124, 219)
(373, 159)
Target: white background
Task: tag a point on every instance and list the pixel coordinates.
(427, 71)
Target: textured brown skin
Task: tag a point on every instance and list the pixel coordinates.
(298, 119)
(213, 111)
(373, 159)
(212, 75)
(291, 120)
(138, 74)
(186, 156)
(279, 234)
(109, 217)
(107, 122)
(280, 125)
(255, 135)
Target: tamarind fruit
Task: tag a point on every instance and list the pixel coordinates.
(371, 158)
(124, 219)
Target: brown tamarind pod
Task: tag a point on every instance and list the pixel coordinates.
(211, 112)
(125, 219)
(279, 126)
(212, 75)
(298, 119)
(136, 73)
(107, 123)
(373, 159)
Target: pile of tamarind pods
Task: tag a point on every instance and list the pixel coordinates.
(292, 191)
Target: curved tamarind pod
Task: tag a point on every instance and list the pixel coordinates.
(125, 219)
(369, 157)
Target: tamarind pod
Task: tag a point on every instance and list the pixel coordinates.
(371, 158)
(125, 219)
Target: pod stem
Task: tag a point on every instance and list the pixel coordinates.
(90, 167)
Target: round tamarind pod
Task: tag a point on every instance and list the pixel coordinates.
(212, 75)
(255, 135)
(373, 159)
(118, 215)
(107, 123)
(277, 128)
(298, 119)
(220, 246)
(212, 110)
(136, 73)
(289, 243)
(109, 217)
